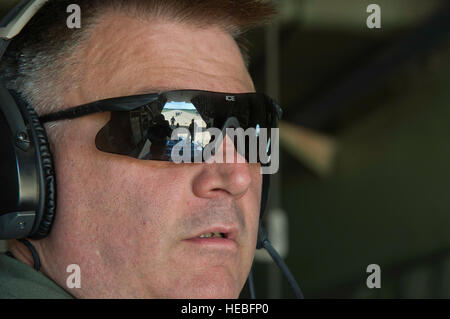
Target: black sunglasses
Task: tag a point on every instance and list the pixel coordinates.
(151, 126)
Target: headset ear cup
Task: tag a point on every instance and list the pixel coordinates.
(49, 178)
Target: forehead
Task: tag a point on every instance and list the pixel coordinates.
(126, 56)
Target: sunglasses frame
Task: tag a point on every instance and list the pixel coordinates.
(130, 103)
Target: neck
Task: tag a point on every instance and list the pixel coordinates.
(21, 252)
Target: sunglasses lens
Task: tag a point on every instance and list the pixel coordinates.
(183, 124)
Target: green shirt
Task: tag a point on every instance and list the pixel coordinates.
(18, 280)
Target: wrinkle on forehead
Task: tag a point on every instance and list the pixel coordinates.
(126, 55)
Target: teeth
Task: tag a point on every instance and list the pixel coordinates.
(211, 235)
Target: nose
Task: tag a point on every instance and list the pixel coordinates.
(219, 176)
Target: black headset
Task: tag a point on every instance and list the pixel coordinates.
(28, 191)
(27, 174)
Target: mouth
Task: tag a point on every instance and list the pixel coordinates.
(213, 235)
(216, 238)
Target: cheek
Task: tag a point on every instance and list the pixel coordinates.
(251, 203)
(117, 200)
(253, 196)
(255, 191)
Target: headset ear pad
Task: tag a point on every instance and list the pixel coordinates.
(47, 173)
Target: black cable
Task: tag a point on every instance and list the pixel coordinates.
(280, 263)
(34, 253)
(263, 242)
(9, 254)
(251, 284)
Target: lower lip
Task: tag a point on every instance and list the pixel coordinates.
(215, 242)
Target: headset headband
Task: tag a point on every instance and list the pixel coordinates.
(16, 20)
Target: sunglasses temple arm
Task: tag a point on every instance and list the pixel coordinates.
(114, 104)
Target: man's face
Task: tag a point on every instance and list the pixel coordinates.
(132, 225)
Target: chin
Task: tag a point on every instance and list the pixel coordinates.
(214, 286)
(211, 292)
